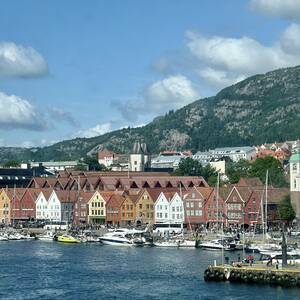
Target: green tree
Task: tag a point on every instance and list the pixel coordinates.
(285, 210)
(93, 164)
(192, 167)
(11, 163)
(236, 170)
(276, 173)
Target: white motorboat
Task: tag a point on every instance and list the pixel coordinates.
(122, 237)
(46, 236)
(216, 245)
(3, 237)
(14, 236)
(176, 243)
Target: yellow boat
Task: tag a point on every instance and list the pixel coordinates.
(65, 238)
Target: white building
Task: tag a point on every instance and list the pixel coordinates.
(176, 210)
(168, 208)
(234, 153)
(106, 158)
(295, 182)
(162, 209)
(55, 166)
(48, 206)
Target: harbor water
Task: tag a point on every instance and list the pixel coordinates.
(50, 270)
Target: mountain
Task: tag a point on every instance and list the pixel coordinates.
(258, 109)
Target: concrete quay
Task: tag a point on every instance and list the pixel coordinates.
(255, 274)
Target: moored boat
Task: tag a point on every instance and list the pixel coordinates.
(46, 236)
(216, 245)
(66, 238)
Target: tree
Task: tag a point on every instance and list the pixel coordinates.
(236, 170)
(276, 173)
(93, 164)
(11, 163)
(285, 210)
(192, 167)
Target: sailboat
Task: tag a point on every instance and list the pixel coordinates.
(265, 245)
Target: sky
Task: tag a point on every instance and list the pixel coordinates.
(82, 68)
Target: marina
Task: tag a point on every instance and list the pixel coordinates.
(40, 269)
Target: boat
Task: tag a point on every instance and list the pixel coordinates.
(293, 257)
(3, 237)
(67, 238)
(216, 245)
(123, 237)
(176, 243)
(14, 236)
(46, 236)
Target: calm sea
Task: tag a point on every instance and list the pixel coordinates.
(49, 270)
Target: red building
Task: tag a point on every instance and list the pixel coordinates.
(114, 210)
(24, 207)
(194, 203)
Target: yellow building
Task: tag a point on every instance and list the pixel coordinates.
(128, 211)
(145, 208)
(96, 209)
(4, 207)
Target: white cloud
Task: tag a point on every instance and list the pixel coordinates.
(286, 9)
(218, 78)
(16, 112)
(224, 61)
(19, 61)
(99, 129)
(163, 95)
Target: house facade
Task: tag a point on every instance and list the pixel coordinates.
(48, 206)
(5, 207)
(176, 210)
(145, 208)
(96, 209)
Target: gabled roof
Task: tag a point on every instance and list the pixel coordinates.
(116, 201)
(251, 182)
(204, 191)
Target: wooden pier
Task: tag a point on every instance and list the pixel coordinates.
(255, 274)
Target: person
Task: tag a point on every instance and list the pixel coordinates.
(277, 264)
(269, 263)
(239, 257)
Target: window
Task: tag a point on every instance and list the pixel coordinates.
(192, 213)
(295, 184)
(102, 204)
(173, 208)
(173, 216)
(157, 215)
(148, 206)
(166, 215)
(188, 213)
(187, 204)
(177, 208)
(193, 195)
(151, 206)
(192, 204)
(140, 206)
(166, 206)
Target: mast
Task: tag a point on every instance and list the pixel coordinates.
(218, 184)
(14, 205)
(262, 214)
(266, 204)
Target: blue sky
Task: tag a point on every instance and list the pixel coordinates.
(81, 68)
